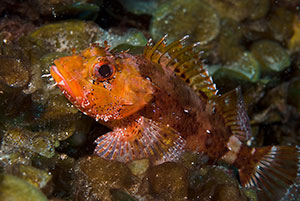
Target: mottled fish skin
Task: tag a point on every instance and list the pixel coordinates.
(162, 103)
(176, 104)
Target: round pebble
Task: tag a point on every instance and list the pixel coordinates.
(179, 18)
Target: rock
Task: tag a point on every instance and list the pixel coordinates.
(253, 95)
(119, 195)
(16, 139)
(140, 6)
(79, 10)
(16, 189)
(271, 56)
(8, 160)
(59, 118)
(61, 167)
(132, 37)
(95, 177)
(289, 4)
(169, 181)
(14, 76)
(13, 72)
(13, 28)
(255, 30)
(245, 68)
(74, 125)
(139, 167)
(281, 24)
(209, 183)
(26, 10)
(251, 194)
(294, 42)
(53, 112)
(229, 47)
(37, 177)
(56, 107)
(259, 8)
(241, 10)
(294, 94)
(134, 50)
(179, 18)
(228, 193)
(65, 36)
(234, 9)
(191, 160)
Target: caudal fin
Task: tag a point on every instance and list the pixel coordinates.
(272, 170)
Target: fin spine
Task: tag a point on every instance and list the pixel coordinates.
(181, 58)
(232, 107)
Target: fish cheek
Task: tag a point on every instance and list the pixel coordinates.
(105, 105)
(121, 96)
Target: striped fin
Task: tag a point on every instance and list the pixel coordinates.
(184, 61)
(143, 139)
(273, 170)
(232, 108)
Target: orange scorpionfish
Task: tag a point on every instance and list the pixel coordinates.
(163, 102)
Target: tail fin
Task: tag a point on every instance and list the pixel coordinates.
(272, 170)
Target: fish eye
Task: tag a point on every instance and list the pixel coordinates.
(103, 71)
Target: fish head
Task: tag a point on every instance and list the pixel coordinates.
(102, 85)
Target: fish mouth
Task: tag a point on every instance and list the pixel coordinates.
(60, 78)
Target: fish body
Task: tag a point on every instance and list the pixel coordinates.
(163, 102)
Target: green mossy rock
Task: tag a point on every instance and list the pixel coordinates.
(140, 6)
(229, 47)
(245, 68)
(134, 50)
(210, 183)
(18, 139)
(95, 177)
(13, 72)
(65, 36)
(15, 189)
(281, 24)
(271, 56)
(234, 9)
(14, 77)
(294, 42)
(131, 37)
(169, 181)
(178, 18)
(259, 8)
(37, 177)
(139, 167)
(119, 195)
(78, 9)
(241, 10)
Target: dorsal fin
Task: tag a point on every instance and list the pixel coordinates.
(232, 107)
(184, 61)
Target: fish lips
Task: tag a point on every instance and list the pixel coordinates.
(69, 87)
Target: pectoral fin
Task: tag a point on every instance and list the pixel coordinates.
(143, 138)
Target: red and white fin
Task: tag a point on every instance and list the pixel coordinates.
(184, 61)
(273, 170)
(143, 138)
(232, 107)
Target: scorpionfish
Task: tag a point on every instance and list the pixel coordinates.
(163, 102)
